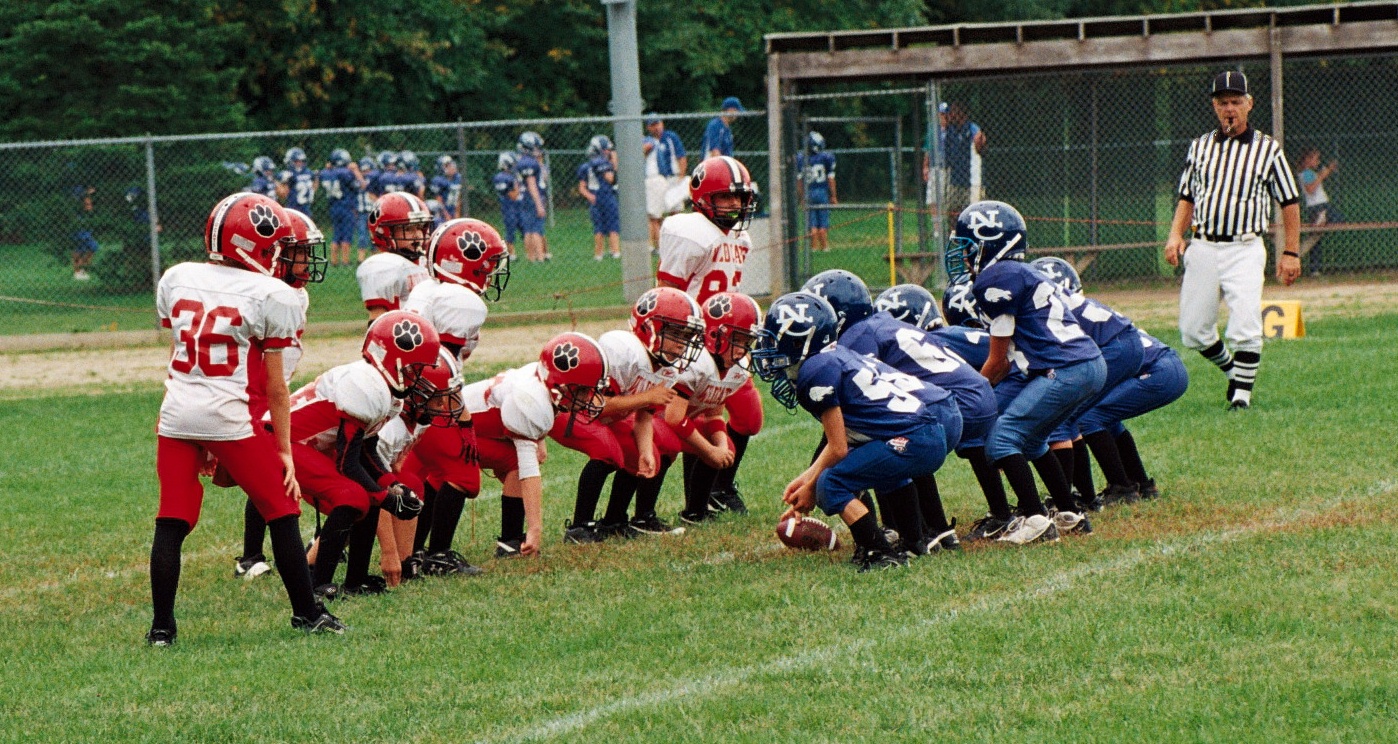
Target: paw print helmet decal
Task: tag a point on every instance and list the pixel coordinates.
(731, 319)
(572, 367)
(400, 345)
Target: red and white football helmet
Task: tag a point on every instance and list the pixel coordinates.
(731, 319)
(303, 260)
(400, 345)
(669, 324)
(471, 253)
(435, 399)
(573, 368)
(400, 223)
(723, 175)
(249, 231)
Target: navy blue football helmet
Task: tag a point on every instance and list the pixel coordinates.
(263, 164)
(366, 164)
(388, 159)
(442, 162)
(529, 142)
(816, 141)
(1059, 272)
(987, 232)
(599, 144)
(294, 155)
(408, 161)
(506, 161)
(797, 325)
(912, 304)
(959, 306)
(845, 292)
(339, 157)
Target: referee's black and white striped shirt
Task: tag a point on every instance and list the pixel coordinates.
(1232, 181)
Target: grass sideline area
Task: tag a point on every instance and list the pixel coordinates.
(1253, 602)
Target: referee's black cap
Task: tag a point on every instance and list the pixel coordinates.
(1230, 82)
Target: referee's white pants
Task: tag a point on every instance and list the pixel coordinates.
(1233, 273)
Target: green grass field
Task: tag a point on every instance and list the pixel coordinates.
(1253, 602)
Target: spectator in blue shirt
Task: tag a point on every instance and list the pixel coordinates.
(960, 140)
(718, 135)
(667, 167)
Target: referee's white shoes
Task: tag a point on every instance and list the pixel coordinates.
(1031, 529)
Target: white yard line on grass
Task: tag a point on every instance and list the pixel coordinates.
(717, 682)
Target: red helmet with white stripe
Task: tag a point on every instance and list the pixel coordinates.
(249, 231)
(303, 260)
(723, 175)
(471, 253)
(573, 368)
(732, 319)
(400, 345)
(668, 322)
(400, 223)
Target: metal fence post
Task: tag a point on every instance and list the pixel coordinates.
(898, 180)
(152, 215)
(461, 169)
(776, 179)
(631, 164)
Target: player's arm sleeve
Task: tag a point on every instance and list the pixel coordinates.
(527, 457)
(818, 385)
(282, 319)
(375, 286)
(679, 259)
(373, 463)
(1282, 183)
(349, 456)
(1003, 326)
(162, 303)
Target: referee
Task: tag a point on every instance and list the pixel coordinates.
(1230, 179)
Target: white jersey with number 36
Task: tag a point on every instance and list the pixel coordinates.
(222, 319)
(704, 260)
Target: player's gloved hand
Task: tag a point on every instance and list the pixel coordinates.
(401, 502)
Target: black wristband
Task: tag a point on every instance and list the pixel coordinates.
(1293, 254)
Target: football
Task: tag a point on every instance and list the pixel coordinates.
(807, 533)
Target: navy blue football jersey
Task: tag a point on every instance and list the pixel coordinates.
(341, 188)
(594, 172)
(1100, 322)
(264, 186)
(971, 344)
(504, 182)
(1024, 305)
(301, 187)
(916, 352)
(527, 166)
(817, 171)
(877, 401)
(447, 191)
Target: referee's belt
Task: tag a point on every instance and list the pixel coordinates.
(1225, 238)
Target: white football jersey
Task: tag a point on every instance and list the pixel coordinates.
(354, 394)
(707, 391)
(396, 438)
(385, 279)
(698, 256)
(629, 367)
(455, 311)
(526, 408)
(222, 319)
(291, 355)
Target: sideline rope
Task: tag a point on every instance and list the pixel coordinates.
(74, 305)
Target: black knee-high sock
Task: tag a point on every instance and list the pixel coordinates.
(988, 476)
(1082, 470)
(1016, 470)
(361, 547)
(884, 512)
(253, 530)
(1103, 446)
(1051, 473)
(424, 518)
(934, 516)
(903, 503)
(1131, 457)
(699, 482)
(590, 482)
(623, 488)
(165, 569)
(740, 446)
(511, 518)
(291, 564)
(648, 490)
(866, 534)
(450, 501)
(334, 534)
(1245, 365)
(1066, 462)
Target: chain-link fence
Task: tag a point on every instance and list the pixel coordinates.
(1092, 160)
(86, 227)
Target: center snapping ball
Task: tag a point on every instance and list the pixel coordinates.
(807, 533)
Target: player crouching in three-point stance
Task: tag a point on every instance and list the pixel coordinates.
(1029, 320)
(230, 318)
(882, 428)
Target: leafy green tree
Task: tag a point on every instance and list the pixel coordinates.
(101, 68)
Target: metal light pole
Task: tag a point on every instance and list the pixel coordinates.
(628, 134)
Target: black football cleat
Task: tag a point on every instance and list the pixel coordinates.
(251, 567)
(412, 565)
(988, 527)
(1149, 490)
(327, 592)
(371, 585)
(1115, 494)
(508, 548)
(160, 637)
(879, 560)
(689, 517)
(449, 563)
(583, 534)
(323, 622)
(650, 524)
(727, 499)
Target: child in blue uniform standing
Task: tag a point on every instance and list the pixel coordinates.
(818, 178)
(597, 184)
(1029, 322)
(882, 427)
(507, 190)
